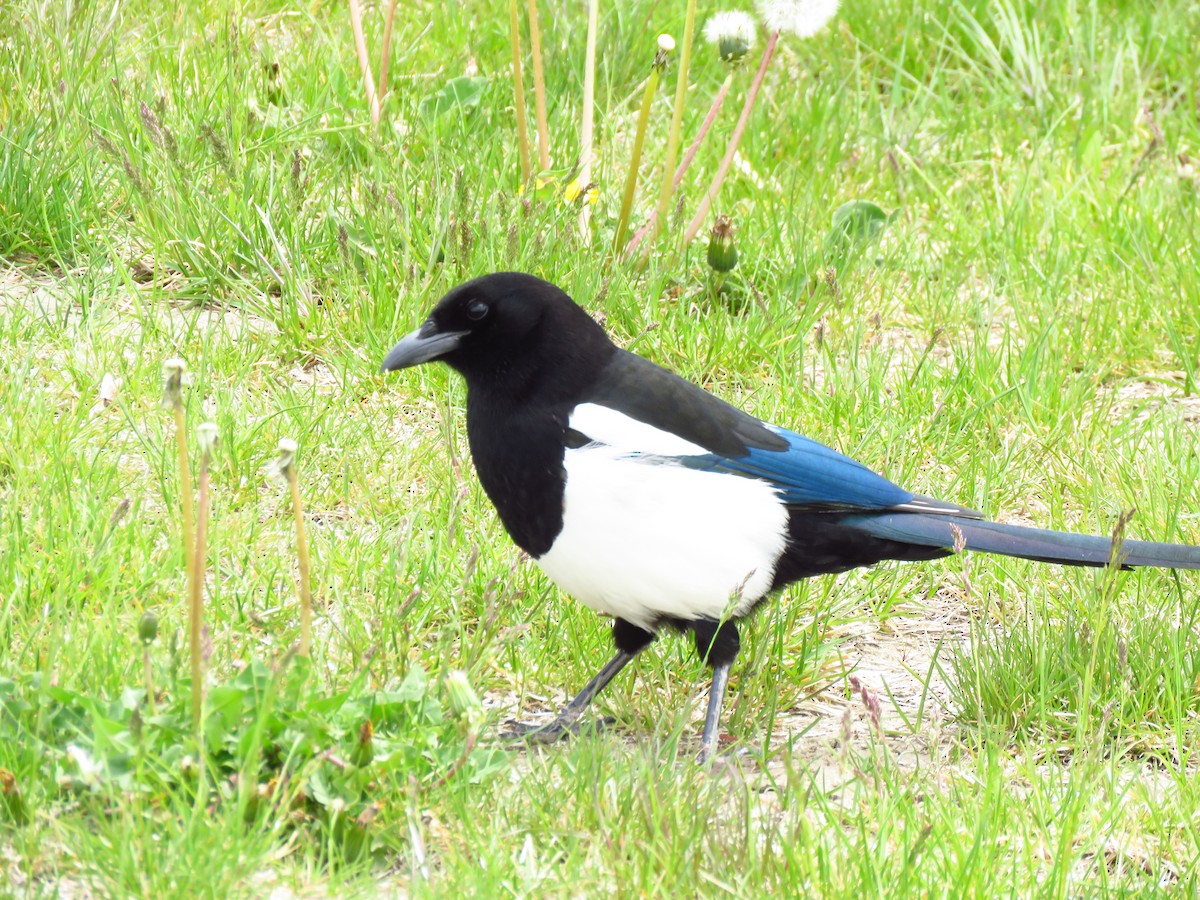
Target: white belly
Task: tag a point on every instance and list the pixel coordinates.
(643, 538)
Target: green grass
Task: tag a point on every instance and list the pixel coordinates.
(1024, 339)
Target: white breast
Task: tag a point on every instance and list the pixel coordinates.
(644, 538)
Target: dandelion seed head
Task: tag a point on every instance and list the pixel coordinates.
(280, 467)
(803, 18)
(666, 46)
(732, 32)
(206, 436)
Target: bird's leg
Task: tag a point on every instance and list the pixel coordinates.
(718, 644)
(712, 719)
(630, 641)
(565, 722)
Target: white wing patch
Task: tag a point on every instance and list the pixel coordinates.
(644, 538)
(621, 432)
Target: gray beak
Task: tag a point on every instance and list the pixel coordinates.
(420, 346)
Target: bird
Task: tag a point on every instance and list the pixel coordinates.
(660, 505)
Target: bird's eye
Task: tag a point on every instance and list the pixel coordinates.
(476, 310)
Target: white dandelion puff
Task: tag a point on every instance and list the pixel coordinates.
(206, 437)
(281, 465)
(733, 33)
(803, 18)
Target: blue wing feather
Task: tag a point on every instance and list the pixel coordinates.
(809, 474)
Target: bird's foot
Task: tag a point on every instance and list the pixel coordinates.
(554, 730)
(713, 756)
(711, 753)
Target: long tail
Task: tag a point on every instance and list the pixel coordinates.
(929, 530)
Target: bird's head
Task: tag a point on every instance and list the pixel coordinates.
(501, 326)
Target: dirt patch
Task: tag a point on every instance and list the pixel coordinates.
(122, 317)
(895, 693)
(1144, 398)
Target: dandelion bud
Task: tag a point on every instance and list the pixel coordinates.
(12, 802)
(148, 628)
(364, 745)
(173, 370)
(722, 251)
(464, 702)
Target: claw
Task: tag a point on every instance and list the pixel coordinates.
(552, 731)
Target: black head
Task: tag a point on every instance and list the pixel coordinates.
(502, 328)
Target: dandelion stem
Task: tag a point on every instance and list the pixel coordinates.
(704, 126)
(455, 767)
(686, 162)
(187, 510)
(173, 371)
(196, 607)
(519, 92)
(539, 87)
(665, 45)
(673, 137)
(149, 680)
(386, 58)
(302, 560)
(589, 110)
(364, 63)
(734, 139)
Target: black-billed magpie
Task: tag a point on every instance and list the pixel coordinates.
(654, 502)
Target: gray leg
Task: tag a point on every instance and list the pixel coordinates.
(566, 720)
(712, 719)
